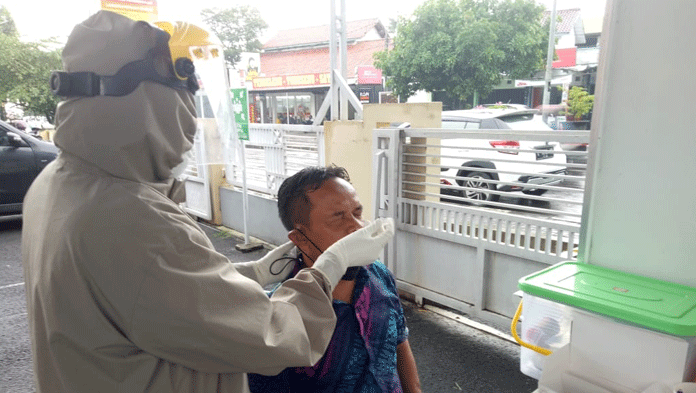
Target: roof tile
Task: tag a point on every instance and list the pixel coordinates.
(318, 34)
(568, 18)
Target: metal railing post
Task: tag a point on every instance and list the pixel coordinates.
(386, 146)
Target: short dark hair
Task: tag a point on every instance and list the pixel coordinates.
(293, 202)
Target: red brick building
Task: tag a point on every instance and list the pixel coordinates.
(294, 71)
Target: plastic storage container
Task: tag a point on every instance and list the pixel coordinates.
(545, 324)
(623, 329)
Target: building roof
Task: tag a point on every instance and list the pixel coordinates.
(568, 19)
(317, 60)
(319, 35)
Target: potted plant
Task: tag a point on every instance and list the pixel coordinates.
(579, 103)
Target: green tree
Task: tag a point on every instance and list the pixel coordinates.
(25, 68)
(238, 28)
(34, 93)
(7, 24)
(465, 46)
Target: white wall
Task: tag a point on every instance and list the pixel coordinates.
(263, 222)
(420, 96)
(565, 41)
(640, 202)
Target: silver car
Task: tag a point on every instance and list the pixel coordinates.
(483, 165)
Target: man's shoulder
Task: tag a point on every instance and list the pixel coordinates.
(379, 271)
(378, 267)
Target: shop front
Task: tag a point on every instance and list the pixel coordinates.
(295, 99)
(287, 99)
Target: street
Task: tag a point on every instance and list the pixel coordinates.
(451, 356)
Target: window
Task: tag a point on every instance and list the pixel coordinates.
(461, 125)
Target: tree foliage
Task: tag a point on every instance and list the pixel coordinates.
(24, 72)
(580, 102)
(7, 24)
(238, 28)
(465, 46)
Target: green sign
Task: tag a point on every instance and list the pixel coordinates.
(240, 107)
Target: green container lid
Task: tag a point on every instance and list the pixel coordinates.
(655, 304)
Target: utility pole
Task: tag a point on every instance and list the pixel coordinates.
(549, 64)
(340, 93)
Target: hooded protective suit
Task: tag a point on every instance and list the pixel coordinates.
(125, 293)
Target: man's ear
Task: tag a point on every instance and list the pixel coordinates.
(298, 238)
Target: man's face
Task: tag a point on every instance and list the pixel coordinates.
(335, 212)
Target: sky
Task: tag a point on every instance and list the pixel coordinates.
(38, 19)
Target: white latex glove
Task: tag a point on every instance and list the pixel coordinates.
(360, 248)
(260, 271)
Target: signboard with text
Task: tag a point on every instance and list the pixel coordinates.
(284, 81)
(368, 75)
(364, 95)
(240, 107)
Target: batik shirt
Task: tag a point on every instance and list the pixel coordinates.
(361, 357)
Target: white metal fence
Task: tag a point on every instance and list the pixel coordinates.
(467, 252)
(275, 152)
(197, 181)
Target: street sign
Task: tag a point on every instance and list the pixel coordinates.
(240, 107)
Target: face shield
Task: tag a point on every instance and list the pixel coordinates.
(215, 137)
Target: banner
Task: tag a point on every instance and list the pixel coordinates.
(368, 75)
(135, 9)
(316, 79)
(240, 107)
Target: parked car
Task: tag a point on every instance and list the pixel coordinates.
(562, 124)
(498, 160)
(500, 105)
(26, 127)
(22, 157)
(38, 122)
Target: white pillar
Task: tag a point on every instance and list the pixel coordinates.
(640, 203)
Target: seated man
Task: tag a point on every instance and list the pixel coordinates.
(369, 350)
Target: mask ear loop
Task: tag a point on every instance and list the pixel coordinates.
(312, 243)
(292, 259)
(349, 275)
(289, 261)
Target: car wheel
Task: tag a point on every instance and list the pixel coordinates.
(479, 181)
(534, 192)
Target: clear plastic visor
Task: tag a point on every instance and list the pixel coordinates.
(216, 129)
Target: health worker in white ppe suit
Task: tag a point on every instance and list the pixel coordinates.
(125, 292)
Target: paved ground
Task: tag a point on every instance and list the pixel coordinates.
(451, 357)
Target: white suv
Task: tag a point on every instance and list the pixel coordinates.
(488, 165)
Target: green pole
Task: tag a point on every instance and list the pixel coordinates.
(476, 99)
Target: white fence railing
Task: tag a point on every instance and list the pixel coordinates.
(468, 253)
(275, 152)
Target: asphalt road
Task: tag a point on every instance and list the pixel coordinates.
(451, 357)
